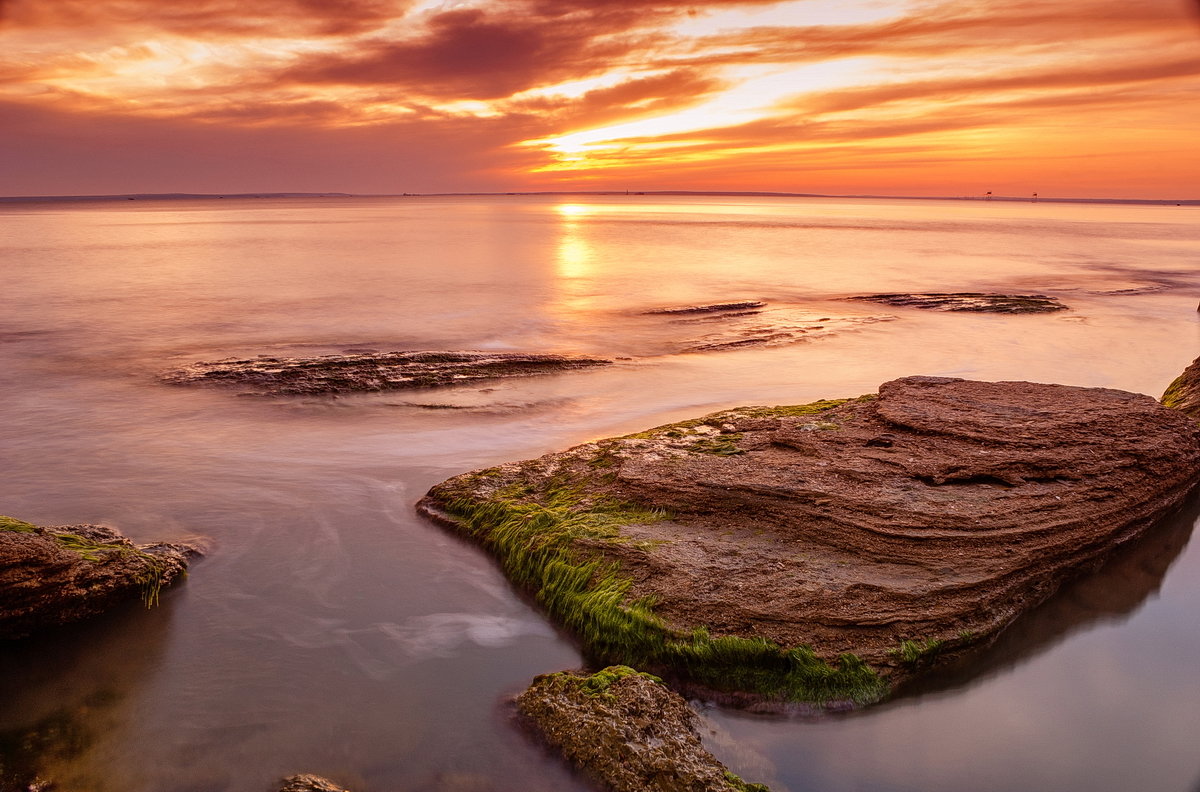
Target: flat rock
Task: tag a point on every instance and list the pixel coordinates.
(52, 576)
(823, 551)
(974, 302)
(737, 308)
(625, 730)
(371, 371)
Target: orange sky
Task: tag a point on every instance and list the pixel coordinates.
(1088, 98)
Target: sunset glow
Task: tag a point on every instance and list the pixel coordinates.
(892, 97)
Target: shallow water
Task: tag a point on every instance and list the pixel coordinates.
(331, 630)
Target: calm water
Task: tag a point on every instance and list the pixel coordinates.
(331, 630)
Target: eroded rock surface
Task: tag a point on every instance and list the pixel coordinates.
(974, 302)
(627, 731)
(885, 530)
(371, 371)
(1184, 393)
(52, 576)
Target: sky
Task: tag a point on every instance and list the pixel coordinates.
(1079, 98)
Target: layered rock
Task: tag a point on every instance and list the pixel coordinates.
(371, 371)
(816, 552)
(973, 302)
(627, 731)
(52, 576)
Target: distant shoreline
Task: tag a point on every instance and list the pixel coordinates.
(549, 193)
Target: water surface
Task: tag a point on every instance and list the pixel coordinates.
(331, 630)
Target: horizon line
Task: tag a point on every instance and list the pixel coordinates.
(1034, 198)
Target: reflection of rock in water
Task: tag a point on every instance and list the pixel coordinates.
(64, 692)
(1129, 577)
(740, 325)
(26, 755)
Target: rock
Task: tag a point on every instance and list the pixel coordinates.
(733, 326)
(975, 302)
(822, 552)
(371, 371)
(1184, 393)
(52, 576)
(306, 782)
(737, 308)
(625, 730)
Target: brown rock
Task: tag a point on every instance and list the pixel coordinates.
(51, 576)
(371, 371)
(973, 302)
(890, 528)
(306, 782)
(627, 731)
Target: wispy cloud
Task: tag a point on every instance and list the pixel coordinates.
(864, 95)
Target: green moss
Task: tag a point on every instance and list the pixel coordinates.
(1174, 394)
(914, 653)
(683, 428)
(16, 526)
(720, 445)
(534, 535)
(598, 683)
(795, 410)
(738, 785)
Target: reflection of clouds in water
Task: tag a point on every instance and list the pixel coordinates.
(440, 634)
(383, 647)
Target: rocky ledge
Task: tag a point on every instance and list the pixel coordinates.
(824, 552)
(625, 730)
(52, 576)
(974, 302)
(371, 371)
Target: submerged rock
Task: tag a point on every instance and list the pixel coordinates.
(735, 308)
(821, 552)
(371, 371)
(627, 731)
(975, 302)
(1184, 393)
(306, 782)
(52, 576)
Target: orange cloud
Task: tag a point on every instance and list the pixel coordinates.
(884, 96)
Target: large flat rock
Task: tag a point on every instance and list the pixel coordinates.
(370, 371)
(878, 532)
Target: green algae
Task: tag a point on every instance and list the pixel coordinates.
(738, 785)
(16, 526)
(715, 420)
(1175, 393)
(596, 685)
(914, 653)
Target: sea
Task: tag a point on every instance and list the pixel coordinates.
(330, 629)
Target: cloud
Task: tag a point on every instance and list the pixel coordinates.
(205, 17)
(476, 54)
(450, 96)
